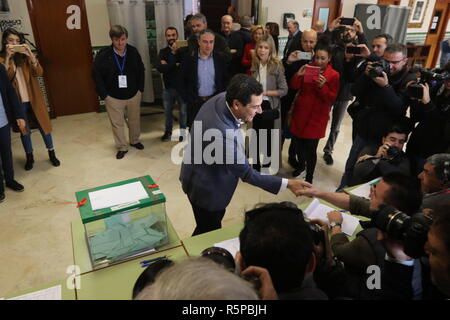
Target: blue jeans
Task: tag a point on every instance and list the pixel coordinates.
(170, 96)
(357, 146)
(26, 139)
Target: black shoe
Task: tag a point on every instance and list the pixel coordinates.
(2, 196)
(167, 136)
(121, 154)
(55, 162)
(14, 185)
(297, 172)
(293, 163)
(30, 161)
(138, 145)
(328, 159)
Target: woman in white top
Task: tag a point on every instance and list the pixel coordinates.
(269, 71)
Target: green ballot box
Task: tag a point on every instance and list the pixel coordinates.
(123, 219)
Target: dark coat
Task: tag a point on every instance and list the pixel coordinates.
(294, 44)
(9, 97)
(169, 70)
(380, 107)
(188, 79)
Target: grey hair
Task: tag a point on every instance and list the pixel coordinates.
(199, 16)
(206, 31)
(198, 279)
(295, 23)
(441, 163)
(246, 21)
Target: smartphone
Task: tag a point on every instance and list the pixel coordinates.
(347, 21)
(353, 50)
(19, 48)
(311, 73)
(181, 43)
(304, 55)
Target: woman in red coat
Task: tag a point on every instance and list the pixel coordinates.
(258, 33)
(311, 110)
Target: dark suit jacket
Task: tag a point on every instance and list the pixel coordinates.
(295, 44)
(9, 97)
(211, 186)
(188, 79)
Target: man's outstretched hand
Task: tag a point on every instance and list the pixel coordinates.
(297, 186)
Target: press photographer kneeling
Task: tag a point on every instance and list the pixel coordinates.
(430, 108)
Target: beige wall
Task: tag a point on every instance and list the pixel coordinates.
(98, 21)
(427, 18)
(19, 12)
(348, 9)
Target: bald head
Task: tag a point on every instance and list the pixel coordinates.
(319, 26)
(309, 40)
(227, 24)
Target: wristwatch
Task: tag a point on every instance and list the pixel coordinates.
(334, 224)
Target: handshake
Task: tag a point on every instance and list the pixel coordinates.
(299, 187)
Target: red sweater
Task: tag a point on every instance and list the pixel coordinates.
(247, 56)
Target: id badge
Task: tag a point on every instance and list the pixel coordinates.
(122, 81)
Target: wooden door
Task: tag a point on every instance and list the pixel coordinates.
(61, 33)
(436, 30)
(326, 10)
(389, 2)
(214, 10)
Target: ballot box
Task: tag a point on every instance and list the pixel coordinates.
(123, 219)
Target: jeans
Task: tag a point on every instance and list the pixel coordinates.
(170, 96)
(6, 156)
(26, 139)
(339, 109)
(357, 146)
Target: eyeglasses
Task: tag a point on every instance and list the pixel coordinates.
(394, 62)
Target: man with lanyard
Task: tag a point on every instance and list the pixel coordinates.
(119, 77)
(435, 180)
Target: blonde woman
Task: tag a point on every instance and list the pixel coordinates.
(268, 70)
(258, 32)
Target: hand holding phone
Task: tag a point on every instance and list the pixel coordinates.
(353, 50)
(311, 73)
(19, 48)
(347, 21)
(304, 55)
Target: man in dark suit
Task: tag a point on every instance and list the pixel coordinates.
(202, 75)
(294, 39)
(210, 171)
(10, 113)
(235, 44)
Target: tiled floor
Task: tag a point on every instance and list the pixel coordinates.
(35, 239)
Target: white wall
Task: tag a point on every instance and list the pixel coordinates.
(98, 20)
(348, 9)
(18, 18)
(276, 9)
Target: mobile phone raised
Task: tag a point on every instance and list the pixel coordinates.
(347, 21)
(353, 50)
(304, 55)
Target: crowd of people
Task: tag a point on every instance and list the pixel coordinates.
(222, 79)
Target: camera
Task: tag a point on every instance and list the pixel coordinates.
(378, 67)
(410, 230)
(393, 152)
(431, 76)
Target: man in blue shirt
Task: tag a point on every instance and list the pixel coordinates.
(10, 113)
(202, 75)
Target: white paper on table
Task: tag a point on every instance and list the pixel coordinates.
(364, 190)
(53, 293)
(232, 245)
(317, 210)
(114, 196)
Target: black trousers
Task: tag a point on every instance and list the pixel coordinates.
(6, 156)
(260, 121)
(192, 109)
(206, 220)
(307, 155)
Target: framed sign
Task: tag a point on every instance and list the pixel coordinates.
(418, 10)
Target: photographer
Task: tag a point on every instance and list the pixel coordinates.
(345, 39)
(432, 113)
(276, 237)
(380, 91)
(427, 241)
(376, 161)
(365, 250)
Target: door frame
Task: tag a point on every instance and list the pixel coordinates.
(340, 4)
(431, 61)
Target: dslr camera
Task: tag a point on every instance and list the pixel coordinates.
(431, 76)
(410, 230)
(378, 67)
